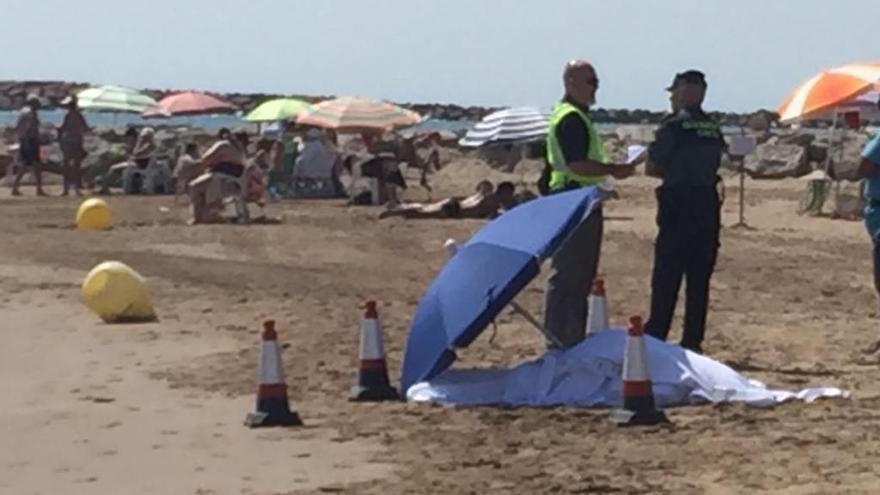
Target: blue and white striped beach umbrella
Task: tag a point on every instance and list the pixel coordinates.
(520, 124)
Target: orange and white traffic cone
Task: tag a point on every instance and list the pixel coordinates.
(597, 308)
(638, 395)
(273, 408)
(372, 381)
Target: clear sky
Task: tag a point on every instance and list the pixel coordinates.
(483, 52)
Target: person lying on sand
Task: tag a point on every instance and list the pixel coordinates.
(485, 203)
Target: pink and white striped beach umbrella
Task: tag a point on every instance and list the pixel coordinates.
(354, 114)
(190, 103)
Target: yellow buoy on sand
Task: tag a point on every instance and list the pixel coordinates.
(117, 294)
(93, 214)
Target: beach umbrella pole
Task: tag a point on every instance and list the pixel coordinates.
(535, 323)
(830, 142)
(741, 160)
(840, 156)
(742, 194)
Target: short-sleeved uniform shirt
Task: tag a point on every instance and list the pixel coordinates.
(687, 149)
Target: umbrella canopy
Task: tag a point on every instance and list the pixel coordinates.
(277, 109)
(867, 99)
(190, 103)
(828, 89)
(354, 114)
(485, 275)
(115, 99)
(512, 124)
(866, 104)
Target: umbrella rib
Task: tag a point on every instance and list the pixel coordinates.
(535, 323)
(526, 314)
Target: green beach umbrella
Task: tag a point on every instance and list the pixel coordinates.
(115, 99)
(277, 109)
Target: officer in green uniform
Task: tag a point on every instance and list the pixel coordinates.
(685, 154)
(576, 158)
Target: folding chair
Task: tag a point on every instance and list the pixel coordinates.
(233, 190)
(312, 187)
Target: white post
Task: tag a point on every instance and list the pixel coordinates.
(830, 142)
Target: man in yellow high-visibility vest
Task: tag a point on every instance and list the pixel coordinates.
(576, 158)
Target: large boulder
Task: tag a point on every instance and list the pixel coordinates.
(799, 138)
(817, 153)
(844, 166)
(100, 155)
(776, 161)
(167, 140)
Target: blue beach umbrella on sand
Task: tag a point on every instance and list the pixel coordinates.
(485, 275)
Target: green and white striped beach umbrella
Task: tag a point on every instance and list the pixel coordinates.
(115, 99)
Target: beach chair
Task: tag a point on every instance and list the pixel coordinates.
(156, 176)
(815, 194)
(281, 181)
(11, 166)
(310, 187)
(159, 177)
(234, 189)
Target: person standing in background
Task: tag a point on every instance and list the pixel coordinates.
(27, 129)
(70, 136)
(869, 169)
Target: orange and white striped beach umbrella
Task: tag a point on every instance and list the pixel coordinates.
(828, 89)
(354, 114)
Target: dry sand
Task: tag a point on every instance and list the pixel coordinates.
(158, 408)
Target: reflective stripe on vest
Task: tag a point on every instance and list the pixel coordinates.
(596, 152)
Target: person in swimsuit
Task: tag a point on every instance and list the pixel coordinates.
(484, 203)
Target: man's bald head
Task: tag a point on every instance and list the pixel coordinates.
(574, 66)
(581, 82)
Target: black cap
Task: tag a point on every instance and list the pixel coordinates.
(690, 77)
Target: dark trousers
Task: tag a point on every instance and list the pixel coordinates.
(687, 243)
(572, 270)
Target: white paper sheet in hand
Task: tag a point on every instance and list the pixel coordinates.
(589, 375)
(635, 152)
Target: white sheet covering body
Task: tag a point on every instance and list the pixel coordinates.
(589, 374)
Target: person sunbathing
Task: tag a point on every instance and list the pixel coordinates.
(484, 203)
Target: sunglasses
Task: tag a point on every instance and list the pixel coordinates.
(593, 81)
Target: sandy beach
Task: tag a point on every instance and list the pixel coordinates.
(158, 408)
